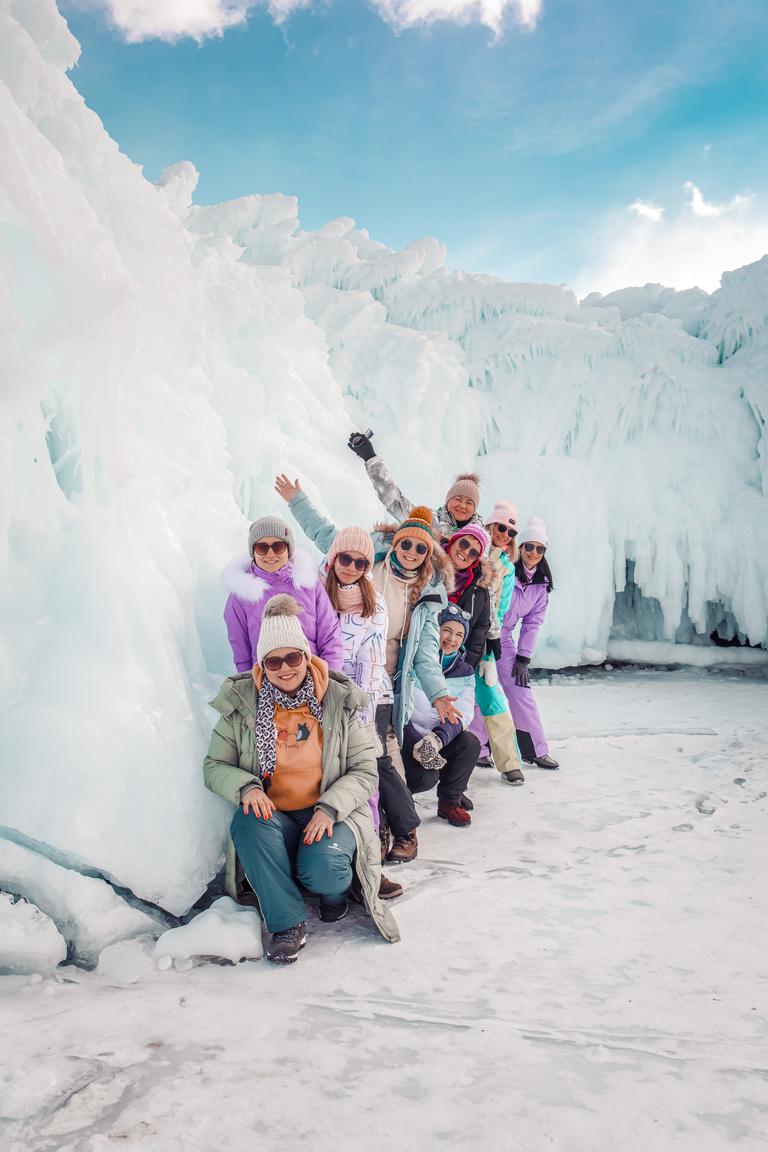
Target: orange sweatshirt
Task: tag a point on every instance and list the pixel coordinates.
(298, 771)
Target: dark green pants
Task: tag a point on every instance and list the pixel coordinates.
(272, 852)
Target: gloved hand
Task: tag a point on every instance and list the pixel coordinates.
(360, 443)
(493, 647)
(522, 678)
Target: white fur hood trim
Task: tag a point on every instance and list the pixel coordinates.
(239, 579)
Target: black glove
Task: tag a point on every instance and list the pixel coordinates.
(522, 678)
(493, 648)
(360, 443)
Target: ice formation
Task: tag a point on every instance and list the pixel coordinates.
(226, 929)
(163, 360)
(29, 940)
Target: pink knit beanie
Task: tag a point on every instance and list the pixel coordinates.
(467, 485)
(351, 540)
(474, 532)
(504, 512)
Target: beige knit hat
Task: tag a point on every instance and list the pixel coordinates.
(351, 540)
(280, 627)
(467, 485)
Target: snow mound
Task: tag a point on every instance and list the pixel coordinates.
(225, 929)
(29, 940)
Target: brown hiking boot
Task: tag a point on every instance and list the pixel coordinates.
(404, 849)
(452, 811)
(385, 836)
(514, 776)
(388, 889)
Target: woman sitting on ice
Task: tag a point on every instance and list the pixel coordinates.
(274, 567)
(290, 752)
(461, 501)
(438, 752)
(473, 576)
(409, 572)
(533, 585)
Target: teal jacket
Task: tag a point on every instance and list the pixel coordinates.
(420, 654)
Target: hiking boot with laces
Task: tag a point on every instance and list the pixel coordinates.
(452, 811)
(428, 750)
(284, 947)
(404, 849)
(389, 889)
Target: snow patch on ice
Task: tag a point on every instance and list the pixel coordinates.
(225, 929)
(29, 940)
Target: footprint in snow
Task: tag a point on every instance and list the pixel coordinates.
(705, 806)
(683, 828)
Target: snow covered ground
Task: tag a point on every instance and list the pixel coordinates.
(583, 969)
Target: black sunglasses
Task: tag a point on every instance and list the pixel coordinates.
(419, 549)
(539, 549)
(293, 660)
(347, 561)
(466, 546)
(504, 528)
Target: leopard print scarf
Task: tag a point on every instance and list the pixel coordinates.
(270, 698)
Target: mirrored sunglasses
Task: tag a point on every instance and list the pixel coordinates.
(278, 547)
(419, 548)
(348, 561)
(274, 663)
(539, 549)
(454, 610)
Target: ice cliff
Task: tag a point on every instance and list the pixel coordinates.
(162, 360)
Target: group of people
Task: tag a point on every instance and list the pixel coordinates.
(390, 670)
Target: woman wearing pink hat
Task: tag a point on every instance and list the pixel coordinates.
(474, 576)
(533, 584)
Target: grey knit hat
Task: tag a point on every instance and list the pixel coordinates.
(270, 526)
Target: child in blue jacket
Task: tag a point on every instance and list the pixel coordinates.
(443, 753)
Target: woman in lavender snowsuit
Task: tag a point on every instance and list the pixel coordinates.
(274, 566)
(533, 584)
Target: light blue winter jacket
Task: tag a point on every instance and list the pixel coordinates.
(420, 654)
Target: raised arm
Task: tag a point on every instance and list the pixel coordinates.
(317, 528)
(386, 489)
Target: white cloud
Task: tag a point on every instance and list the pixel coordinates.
(173, 20)
(688, 246)
(403, 14)
(700, 207)
(647, 210)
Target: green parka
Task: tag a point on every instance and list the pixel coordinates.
(350, 775)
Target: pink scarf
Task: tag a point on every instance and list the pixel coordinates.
(350, 597)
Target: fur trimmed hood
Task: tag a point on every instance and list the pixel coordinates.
(240, 580)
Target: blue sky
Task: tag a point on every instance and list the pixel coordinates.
(522, 150)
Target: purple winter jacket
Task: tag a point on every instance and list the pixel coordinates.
(529, 604)
(249, 589)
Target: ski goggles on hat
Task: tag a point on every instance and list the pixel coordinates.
(347, 561)
(278, 547)
(539, 549)
(274, 663)
(506, 529)
(419, 548)
(454, 610)
(467, 546)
